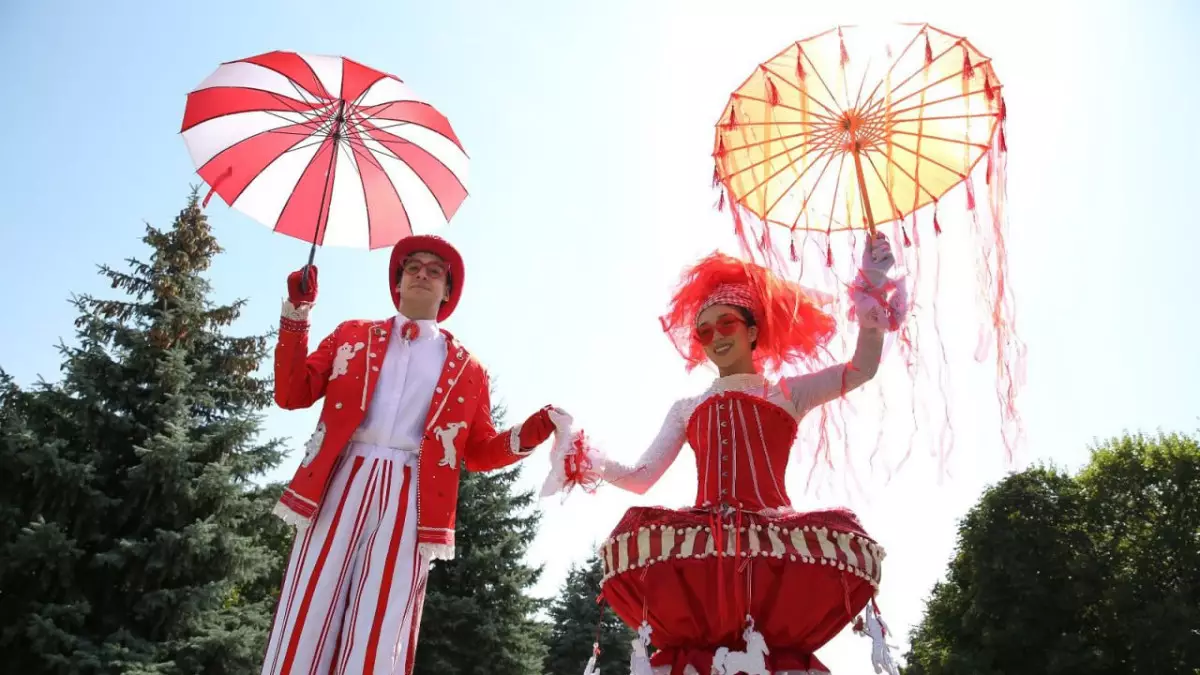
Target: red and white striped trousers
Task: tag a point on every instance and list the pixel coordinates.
(354, 588)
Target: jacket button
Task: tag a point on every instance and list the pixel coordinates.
(438, 390)
(460, 399)
(337, 406)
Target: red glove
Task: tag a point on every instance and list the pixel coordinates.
(295, 294)
(536, 429)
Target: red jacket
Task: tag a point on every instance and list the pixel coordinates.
(460, 413)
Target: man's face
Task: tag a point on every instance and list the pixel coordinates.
(424, 281)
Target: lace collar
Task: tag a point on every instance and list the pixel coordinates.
(743, 382)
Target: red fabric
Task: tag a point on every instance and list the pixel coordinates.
(735, 438)
(791, 328)
(295, 295)
(536, 429)
(797, 605)
(461, 396)
(442, 249)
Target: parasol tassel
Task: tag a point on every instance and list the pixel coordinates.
(799, 63)
(845, 56)
(721, 201)
(991, 167)
(721, 146)
(732, 116)
(772, 92)
(970, 194)
(989, 92)
(968, 69)
(907, 241)
(828, 254)
(795, 256)
(937, 228)
(928, 51)
(716, 179)
(1002, 141)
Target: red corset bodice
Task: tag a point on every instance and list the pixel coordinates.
(742, 443)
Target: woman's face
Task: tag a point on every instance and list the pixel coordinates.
(722, 331)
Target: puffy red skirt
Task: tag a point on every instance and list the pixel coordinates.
(803, 577)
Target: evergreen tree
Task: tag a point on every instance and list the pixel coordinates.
(130, 524)
(575, 618)
(479, 616)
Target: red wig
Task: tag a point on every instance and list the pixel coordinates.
(791, 327)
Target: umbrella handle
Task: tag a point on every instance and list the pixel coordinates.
(304, 270)
(862, 182)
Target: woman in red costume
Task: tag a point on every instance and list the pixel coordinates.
(774, 584)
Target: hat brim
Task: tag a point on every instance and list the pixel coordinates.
(442, 249)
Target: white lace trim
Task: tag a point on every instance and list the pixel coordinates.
(296, 312)
(514, 442)
(289, 516)
(432, 552)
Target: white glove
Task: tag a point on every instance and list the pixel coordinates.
(877, 260)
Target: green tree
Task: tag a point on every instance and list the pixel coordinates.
(130, 521)
(576, 618)
(480, 616)
(1095, 573)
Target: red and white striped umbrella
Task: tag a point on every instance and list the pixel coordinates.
(325, 149)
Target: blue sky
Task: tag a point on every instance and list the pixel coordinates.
(589, 126)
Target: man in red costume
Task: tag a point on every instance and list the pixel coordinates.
(406, 407)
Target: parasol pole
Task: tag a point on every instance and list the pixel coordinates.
(336, 136)
(862, 182)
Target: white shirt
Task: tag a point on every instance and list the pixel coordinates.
(407, 377)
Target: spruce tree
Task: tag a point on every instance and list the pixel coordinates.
(479, 617)
(577, 620)
(131, 525)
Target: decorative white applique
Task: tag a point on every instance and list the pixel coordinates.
(590, 668)
(639, 658)
(341, 361)
(750, 662)
(446, 435)
(313, 446)
(877, 630)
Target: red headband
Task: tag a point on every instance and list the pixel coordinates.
(737, 295)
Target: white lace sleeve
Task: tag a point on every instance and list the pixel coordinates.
(812, 390)
(654, 462)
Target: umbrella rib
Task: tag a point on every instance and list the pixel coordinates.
(815, 71)
(879, 102)
(910, 176)
(931, 118)
(809, 196)
(929, 159)
(787, 107)
(803, 91)
(767, 159)
(823, 150)
(895, 63)
(943, 100)
(777, 139)
(935, 60)
(957, 141)
(896, 212)
(837, 184)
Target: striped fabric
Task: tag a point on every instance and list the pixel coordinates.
(325, 149)
(354, 589)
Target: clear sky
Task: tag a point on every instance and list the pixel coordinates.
(589, 125)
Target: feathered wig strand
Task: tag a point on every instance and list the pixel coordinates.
(792, 329)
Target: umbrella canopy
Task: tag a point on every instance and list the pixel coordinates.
(855, 127)
(325, 149)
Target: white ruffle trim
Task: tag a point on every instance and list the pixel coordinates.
(514, 442)
(289, 516)
(432, 552)
(564, 447)
(296, 312)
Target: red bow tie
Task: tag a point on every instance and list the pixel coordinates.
(410, 330)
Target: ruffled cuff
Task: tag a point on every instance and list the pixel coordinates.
(574, 462)
(294, 317)
(884, 307)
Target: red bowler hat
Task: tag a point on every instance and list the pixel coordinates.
(442, 249)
